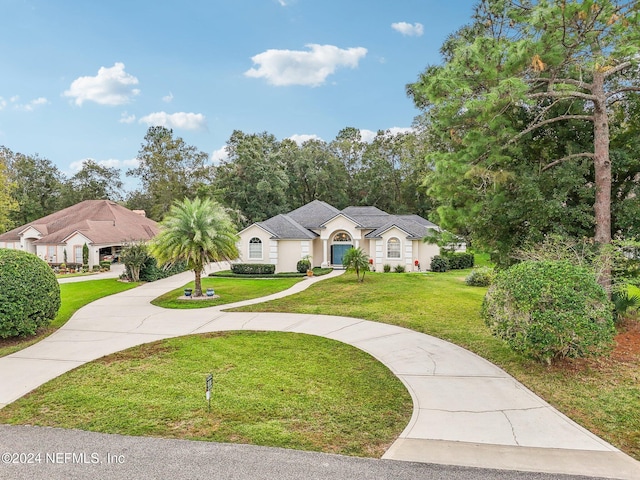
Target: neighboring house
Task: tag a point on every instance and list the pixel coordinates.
(102, 224)
(325, 233)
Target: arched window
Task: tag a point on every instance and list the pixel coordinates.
(341, 237)
(393, 248)
(255, 249)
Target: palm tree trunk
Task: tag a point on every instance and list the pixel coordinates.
(198, 283)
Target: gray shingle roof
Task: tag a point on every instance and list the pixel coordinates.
(414, 229)
(313, 214)
(298, 224)
(283, 227)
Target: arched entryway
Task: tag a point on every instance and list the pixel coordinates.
(340, 243)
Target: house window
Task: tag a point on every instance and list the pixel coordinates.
(51, 253)
(393, 248)
(77, 254)
(342, 237)
(255, 249)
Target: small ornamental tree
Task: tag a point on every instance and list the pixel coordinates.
(30, 294)
(549, 310)
(356, 259)
(85, 254)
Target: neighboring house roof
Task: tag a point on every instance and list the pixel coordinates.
(297, 225)
(101, 221)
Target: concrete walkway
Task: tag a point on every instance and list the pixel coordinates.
(466, 411)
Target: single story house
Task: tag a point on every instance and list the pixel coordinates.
(103, 225)
(324, 233)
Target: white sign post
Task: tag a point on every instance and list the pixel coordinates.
(209, 388)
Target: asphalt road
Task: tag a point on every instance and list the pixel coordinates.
(49, 453)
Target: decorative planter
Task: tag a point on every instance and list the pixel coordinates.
(187, 292)
(210, 292)
(309, 273)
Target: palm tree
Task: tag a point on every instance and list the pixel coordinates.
(197, 232)
(355, 258)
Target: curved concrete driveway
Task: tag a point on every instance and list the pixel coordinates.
(466, 410)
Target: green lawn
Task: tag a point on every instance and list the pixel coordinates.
(72, 297)
(230, 290)
(602, 395)
(278, 389)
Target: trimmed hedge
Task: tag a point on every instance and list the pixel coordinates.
(29, 294)
(253, 268)
(439, 264)
(460, 261)
(549, 309)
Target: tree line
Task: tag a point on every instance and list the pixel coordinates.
(261, 176)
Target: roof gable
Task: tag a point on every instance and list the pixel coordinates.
(313, 214)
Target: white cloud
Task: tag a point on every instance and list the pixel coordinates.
(180, 120)
(415, 30)
(29, 106)
(367, 136)
(301, 138)
(110, 163)
(167, 98)
(311, 68)
(219, 155)
(126, 118)
(400, 130)
(111, 86)
(3, 103)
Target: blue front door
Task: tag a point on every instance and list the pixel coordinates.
(337, 252)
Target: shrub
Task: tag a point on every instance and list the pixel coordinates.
(303, 265)
(106, 265)
(29, 296)
(480, 277)
(253, 268)
(549, 309)
(386, 268)
(439, 264)
(460, 261)
(150, 272)
(399, 269)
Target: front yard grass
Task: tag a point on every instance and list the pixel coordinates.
(230, 290)
(270, 388)
(603, 395)
(73, 296)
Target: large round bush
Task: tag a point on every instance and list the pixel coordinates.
(29, 293)
(549, 310)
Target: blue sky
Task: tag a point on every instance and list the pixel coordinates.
(85, 79)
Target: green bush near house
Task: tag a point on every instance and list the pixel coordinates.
(399, 269)
(386, 268)
(549, 310)
(303, 265)
(29, 294)
(253, 268)
(460, 261)
(439, 264)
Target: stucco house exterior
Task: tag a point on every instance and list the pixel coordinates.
(324, 233)
(102, 224)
